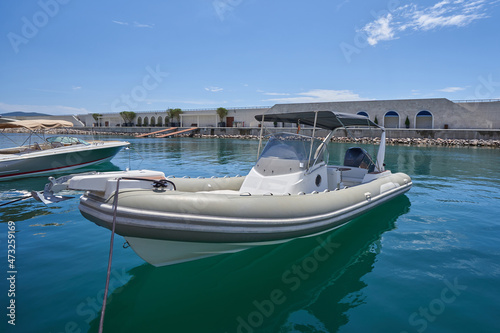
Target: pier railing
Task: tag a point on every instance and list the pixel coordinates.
(476, 100)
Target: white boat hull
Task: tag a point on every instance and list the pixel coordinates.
(47, 162)
(163, 252)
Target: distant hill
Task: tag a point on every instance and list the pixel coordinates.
(23, 114)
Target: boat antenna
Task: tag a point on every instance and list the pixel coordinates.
(260, 136)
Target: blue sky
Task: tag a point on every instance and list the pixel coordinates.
(75, 56)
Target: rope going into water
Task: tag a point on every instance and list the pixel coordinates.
(115, 207)
(156, 184)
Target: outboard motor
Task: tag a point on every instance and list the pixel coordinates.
(358, 158)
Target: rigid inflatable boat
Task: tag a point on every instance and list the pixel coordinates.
(290, 193)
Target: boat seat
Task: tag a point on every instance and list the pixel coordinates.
(10, 151)
(45, 146)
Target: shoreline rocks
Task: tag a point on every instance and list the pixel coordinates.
(376, 140)
(341, 139)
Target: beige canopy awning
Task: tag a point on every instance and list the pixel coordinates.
(36, 124)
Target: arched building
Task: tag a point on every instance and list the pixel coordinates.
(435, 113)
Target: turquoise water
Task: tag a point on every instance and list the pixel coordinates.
(428, 261)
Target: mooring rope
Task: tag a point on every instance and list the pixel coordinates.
(156, 184)
(115, 207)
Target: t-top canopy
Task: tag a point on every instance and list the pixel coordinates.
(36, 124)
(326, 119)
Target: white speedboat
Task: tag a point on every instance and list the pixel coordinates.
(52, 154)
(290, 193)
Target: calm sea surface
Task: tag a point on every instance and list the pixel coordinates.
(428, 261)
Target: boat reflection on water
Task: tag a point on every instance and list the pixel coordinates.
(300, 285)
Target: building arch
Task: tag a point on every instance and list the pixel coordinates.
(160, 122)
(424, 119)
(391, 119)
(146, 121)
(139, 121)
(363, 113)
(153, 122)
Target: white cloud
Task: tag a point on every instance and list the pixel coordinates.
(141, 25)
(213, 89)
(48, 109)
(379, 30)
(135, 24)
(451, 89)
(458, 13)
(76, 87)
(276, 94)
(318, 95)
(120, 22)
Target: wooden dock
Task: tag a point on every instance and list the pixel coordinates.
(178, 132)
(163, 130)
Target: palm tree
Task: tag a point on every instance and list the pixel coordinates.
(174, 114)
(128, 117)
(97, 118)
(222, 113)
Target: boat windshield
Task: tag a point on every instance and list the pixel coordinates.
(286, 153)
(66, 140)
